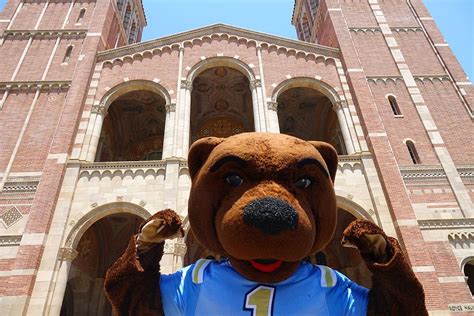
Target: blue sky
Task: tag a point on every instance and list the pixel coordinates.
(455, 18)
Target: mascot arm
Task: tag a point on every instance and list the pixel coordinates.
(132, 282)
(395, 288)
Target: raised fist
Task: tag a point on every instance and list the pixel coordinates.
(163, 225)
(369, 239)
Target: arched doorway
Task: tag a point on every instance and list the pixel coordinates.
(308, 114)
(221, 104)
(468, 271)
(133, 128)
(99, 247)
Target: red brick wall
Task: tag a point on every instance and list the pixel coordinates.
(397, 13)
(412, 125)
(37, 140)
(36, 59)
(54, 15)
(28, 15)
(451, 118)
(373, 53)
(413, 45)
(11, 50)
(12, 117)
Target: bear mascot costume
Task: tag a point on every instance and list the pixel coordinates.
(265, 202)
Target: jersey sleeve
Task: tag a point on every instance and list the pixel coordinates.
(344, 296)
(173, 292)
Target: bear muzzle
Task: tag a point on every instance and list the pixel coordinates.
(270, 215)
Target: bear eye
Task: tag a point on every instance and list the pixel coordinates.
(234, 179)
(303, 182)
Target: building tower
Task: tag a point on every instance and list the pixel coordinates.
(97, 126)
(416, 108)
(48, 51)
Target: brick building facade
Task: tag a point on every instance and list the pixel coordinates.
(96, 126)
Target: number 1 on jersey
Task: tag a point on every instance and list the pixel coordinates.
(260, 300)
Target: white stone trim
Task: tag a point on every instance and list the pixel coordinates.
(423, 269)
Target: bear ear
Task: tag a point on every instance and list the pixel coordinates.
(199, 152)
(329, 155)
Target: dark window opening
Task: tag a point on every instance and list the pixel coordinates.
(80, 17)
(394, 105)
(67, 56)
(413, 153)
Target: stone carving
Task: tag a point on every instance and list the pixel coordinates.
(11, 216)
(170, 107)
(67, 253)
(272, 105)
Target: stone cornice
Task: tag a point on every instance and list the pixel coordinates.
(457, 223)
(394, 79)
(222, 32)
(121, 168)
(44, 33)
(433, 173)
(11, 240)
(34, 85)
(373, 29)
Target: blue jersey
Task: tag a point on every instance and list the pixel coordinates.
(216, 288)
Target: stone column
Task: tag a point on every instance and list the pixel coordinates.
(338, 107)
(98, 115)
(66, 256)
(257, 103)
(184, 116)
(170, 122)
(273, 123)
(187, 116)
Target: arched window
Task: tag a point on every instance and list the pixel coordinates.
(120, 4)
(133, 34)
(126, 18)
(394, 105)
(67, 56)
(80, 17)
(413, 153)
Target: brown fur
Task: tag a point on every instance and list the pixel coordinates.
(268, 165)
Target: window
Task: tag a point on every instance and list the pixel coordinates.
(413, 153)
(120, 4)
(126, 18)
(67, 56)
(133, 34)
(394, 105)
(81, 15)
(154, 155)
(314, 6)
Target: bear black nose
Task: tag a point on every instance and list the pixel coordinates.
(270, 215)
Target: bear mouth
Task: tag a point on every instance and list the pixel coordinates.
(266, 265)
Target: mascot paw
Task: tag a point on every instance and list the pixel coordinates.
(163, 225)
(368, 238)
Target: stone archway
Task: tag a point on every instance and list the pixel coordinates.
(97, 249)
(308, 114)
(221, 103)
(313, 110)
(468, 271)
(134, 128)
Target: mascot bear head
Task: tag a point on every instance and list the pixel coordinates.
(265, 201)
